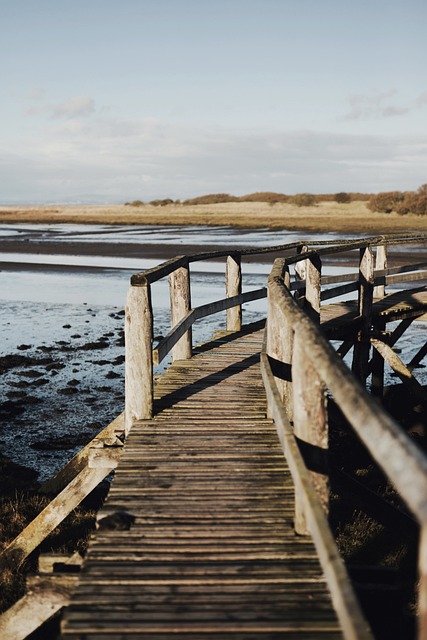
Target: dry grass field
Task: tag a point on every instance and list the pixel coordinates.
(353, 217)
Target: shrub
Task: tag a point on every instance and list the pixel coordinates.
(303, 200)
(415, 203)
(325, 197)
(135, 203)
(265, 196)
(342, 197)
(386, 201)
(212, 198)
(161, 203)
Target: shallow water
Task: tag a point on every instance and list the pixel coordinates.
(57, 306)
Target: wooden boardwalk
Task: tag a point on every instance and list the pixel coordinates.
(212, 551)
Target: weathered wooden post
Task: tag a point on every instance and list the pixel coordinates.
(377, 380)
(138, 354)
(312, 287)
(180, 300)
(233, 287)
(280, 337)
(274, 342)
(380, 265)
(362, 345)
(310, 424)
(287, 339)
(300, 275)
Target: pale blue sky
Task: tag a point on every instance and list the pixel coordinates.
(112, 100)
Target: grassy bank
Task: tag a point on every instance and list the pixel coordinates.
(353, 217)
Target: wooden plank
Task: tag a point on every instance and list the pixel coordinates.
(56, 511)
(44, 598)
(80, 460)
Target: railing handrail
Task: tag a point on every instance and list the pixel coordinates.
(328, 247)
(385, 440)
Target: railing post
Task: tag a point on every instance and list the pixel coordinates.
(274, 342)
(280, 339)
(233, 287)
(422, 584)
(138, 353)
(287, 338)
(380, 265)
(366, 289)
(310, 425)
(300, 275)
(377, 379)
(180, 300)
(312, 287)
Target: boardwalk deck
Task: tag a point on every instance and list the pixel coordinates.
(340, 317)
(212, 552)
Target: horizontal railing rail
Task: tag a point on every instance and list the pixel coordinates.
(165, 345)
(328, 247)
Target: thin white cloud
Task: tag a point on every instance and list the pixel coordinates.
(421, 101)
(35, 93)
(374, 106)
(75, 107)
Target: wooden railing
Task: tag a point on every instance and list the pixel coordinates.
(300, 369)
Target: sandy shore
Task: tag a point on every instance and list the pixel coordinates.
(354, 217)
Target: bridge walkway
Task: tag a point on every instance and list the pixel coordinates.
(198, 539)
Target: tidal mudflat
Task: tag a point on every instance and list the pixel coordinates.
(63, 290)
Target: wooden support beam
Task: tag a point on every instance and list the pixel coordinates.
(139, 359)
(180, 301)
(377, 364)
(46, 596)
(49, 562)
(418, 357)
(104, 457)
(344, 348)
(80, 460)
(233, 287)
(56, 511)
(400, 369)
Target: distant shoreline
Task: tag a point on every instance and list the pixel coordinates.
(350, 218)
